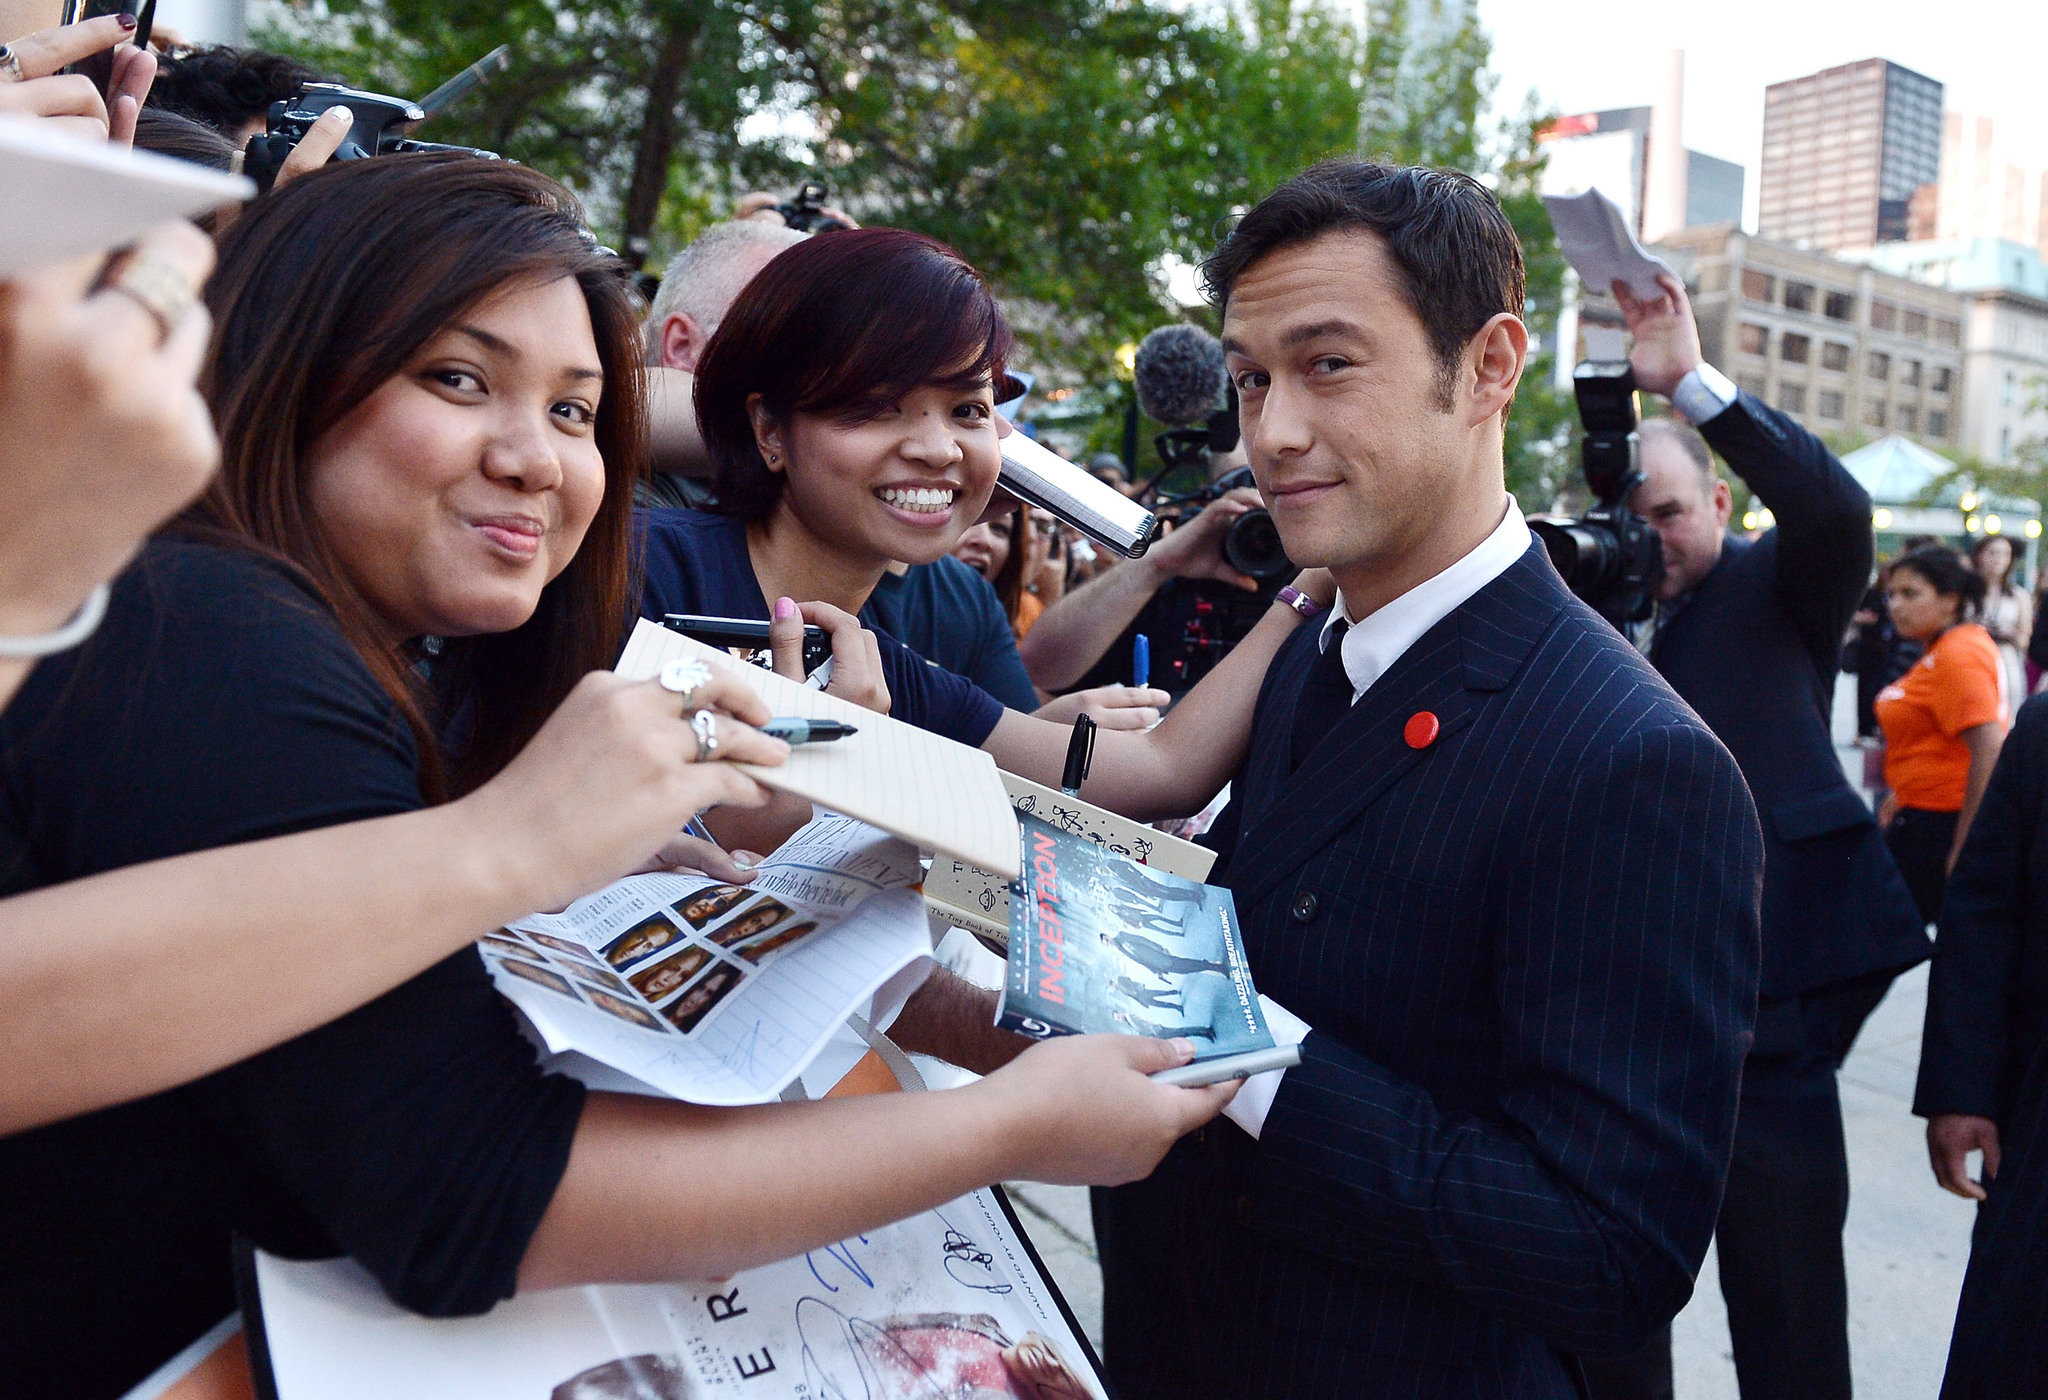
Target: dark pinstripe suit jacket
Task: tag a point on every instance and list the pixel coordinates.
(1530, 955)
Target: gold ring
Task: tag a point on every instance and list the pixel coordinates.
(159, 286)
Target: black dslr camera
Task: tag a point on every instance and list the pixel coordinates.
(805, 211)
(1609, 556)
(1252, 545)
(379, 129)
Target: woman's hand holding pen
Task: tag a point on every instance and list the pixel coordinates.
(856, 675)
(615, 774)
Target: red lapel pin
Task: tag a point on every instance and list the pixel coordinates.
(1421, 729)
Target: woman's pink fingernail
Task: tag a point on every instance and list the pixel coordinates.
(1183, 1048)
(785, 607)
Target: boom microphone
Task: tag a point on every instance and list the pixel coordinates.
(1179, 375)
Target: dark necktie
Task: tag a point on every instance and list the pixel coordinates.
(1325, 698)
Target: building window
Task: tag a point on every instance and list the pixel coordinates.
(1947, 332)
(1792, 397)
(1841, 306)
(1799, 296)
(1914, 324)
(1883, 316)
(1758, 286)
(1909, 373)
(1751, 384)
(1755, 339)
(1795, 349)
(1942, 378)
(1937, 423)
(1880, 365)
(1909, 418)
(2004, 443)
(1873, 413)
(2012, 388)
(1834, 355)
(1831, 404)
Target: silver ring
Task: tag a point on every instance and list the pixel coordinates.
(10, 65)
(159, 286)
(704, 725)
(685, 677)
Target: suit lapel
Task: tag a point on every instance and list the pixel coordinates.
(1477, 648)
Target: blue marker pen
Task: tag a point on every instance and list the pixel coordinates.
(1141, 660)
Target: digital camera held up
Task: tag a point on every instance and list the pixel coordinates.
(805, 210)
(1609, 556)
(380, 128)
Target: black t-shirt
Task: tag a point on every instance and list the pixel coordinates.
(219, 703)
(948, 614)
(698, 563)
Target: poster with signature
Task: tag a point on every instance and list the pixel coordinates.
(949, 1305)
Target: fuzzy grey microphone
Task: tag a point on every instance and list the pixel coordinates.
(1179, 375)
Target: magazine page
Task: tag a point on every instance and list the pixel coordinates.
(1099, 943)
(716, 993)
(951, 1303)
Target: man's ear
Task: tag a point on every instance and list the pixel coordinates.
(1494, 360)
(682, 342)
(768, 436)
(1724, 502)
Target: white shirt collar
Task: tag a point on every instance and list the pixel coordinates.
(1375, 644)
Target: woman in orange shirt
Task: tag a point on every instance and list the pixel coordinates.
(1943, 720)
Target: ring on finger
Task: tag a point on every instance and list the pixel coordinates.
(704, 725)
(685, 677)
(10, 65)
(159, 286)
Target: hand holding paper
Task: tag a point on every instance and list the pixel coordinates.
(1600, 245)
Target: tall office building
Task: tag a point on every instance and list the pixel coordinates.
(1845, 151)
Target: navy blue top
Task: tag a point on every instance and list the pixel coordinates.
(220, 703)
(697, 563)
(950, 615)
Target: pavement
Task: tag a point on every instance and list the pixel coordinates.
(1906, 1243)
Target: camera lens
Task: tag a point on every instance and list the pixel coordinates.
(1253, 546)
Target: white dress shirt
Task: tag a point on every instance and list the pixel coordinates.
(1372, 645)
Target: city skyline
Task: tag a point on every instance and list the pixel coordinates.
(1588, 55)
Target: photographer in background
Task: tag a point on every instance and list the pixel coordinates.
(1076, 636)
(1750, 634)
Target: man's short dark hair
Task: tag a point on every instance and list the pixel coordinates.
(1459, 260)
(223, 87)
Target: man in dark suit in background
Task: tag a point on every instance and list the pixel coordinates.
(1983, 1077)
(1750, 634)
(1506, 876)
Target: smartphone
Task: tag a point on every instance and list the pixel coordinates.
(100, 66)
(744, 635)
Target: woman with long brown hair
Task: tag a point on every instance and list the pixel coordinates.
(426, 382)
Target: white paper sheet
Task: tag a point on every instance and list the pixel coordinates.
(1601, 247)
(937, 794)
(723, 994)
(66, 197)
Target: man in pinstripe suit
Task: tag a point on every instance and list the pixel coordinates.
(1509, 879)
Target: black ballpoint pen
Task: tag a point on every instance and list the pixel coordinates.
(793, 731)
(1080, 755)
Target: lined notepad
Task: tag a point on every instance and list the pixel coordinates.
(943, 796)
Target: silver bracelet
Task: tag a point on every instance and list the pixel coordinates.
(82, 624)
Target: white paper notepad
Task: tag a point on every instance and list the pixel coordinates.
(67, 197)
(942, 796)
